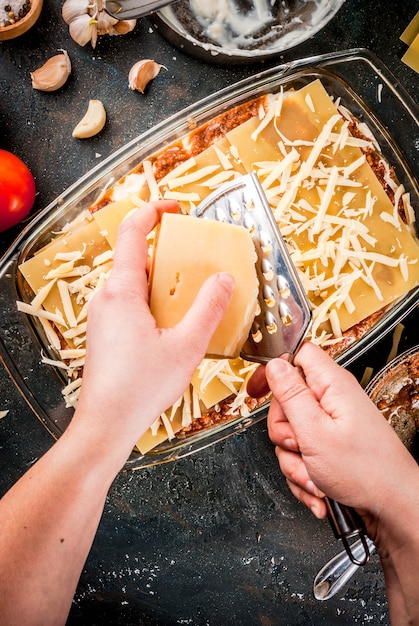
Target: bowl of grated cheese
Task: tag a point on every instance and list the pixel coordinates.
(18, 16)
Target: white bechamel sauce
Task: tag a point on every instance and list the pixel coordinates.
(224, 23)
(130, 185)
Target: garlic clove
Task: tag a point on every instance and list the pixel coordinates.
(93, 121)
(105, 23)
(74, 8)
(83, 29)
(123, 27)
(53, 74)
(142, 73)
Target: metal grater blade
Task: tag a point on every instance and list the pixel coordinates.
(284, 312)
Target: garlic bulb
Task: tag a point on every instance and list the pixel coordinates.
(142, 73)
(53, 74)
(87, 20)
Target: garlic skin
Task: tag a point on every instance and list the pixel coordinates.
(92, 122)
(142, 73)
(88, 20)
(83, 29)
(105, 23)
(73, 8)
(53, 74)
(122, 27)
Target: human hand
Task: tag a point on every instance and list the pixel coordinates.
(331, 439)
(134, 371)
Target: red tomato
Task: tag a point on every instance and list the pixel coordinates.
(17, 190)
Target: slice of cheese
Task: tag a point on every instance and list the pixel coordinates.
(411, 30)
(84, 244)
(215, 380)
(212, 393)
(152, 438)
(110, 217)
(411, 56)
(188, 251)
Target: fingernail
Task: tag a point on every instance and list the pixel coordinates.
(311, 488)
(290, 444)
(276, 368)
(227, 280)
(130, 213)
(314, 508)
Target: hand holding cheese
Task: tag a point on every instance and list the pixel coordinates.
(133, 372)
(188, 251)
(150, 367)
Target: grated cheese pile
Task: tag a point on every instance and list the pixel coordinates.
(354, 253)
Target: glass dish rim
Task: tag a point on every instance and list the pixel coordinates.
(228, 95)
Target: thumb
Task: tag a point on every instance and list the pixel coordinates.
(297, 401)
(202, 319)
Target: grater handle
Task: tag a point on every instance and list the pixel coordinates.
(347, 524)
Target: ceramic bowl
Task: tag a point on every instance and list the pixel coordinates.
(23, 25)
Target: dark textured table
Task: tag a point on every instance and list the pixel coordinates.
(214, 539)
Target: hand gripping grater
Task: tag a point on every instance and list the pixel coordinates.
(284, 313)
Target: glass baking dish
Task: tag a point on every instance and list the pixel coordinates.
(363, 84)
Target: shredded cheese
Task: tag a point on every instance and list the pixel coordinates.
(397, 335)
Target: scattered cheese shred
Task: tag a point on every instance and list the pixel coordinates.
(151, 181)
(366, 377)
(24, 307)
(397, 335)
(199, 174)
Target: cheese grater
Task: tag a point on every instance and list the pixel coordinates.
(284, 313)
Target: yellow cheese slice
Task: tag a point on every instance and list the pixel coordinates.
(216, 380)
(151, 439)
(110, 217)
(188, 251)
(249, 151)
(85, 241)
(411, 30)
(411, 56)
(211, 394)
